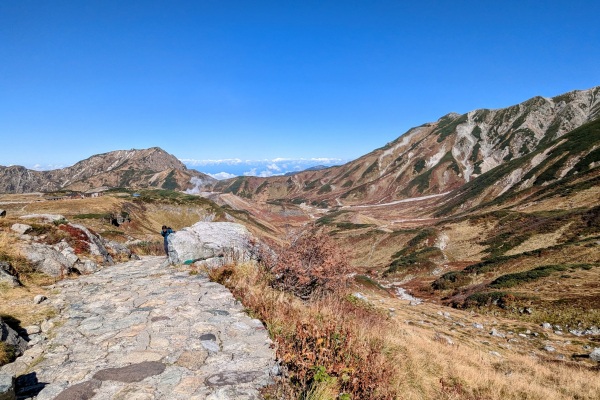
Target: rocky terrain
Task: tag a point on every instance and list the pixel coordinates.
(144, 330)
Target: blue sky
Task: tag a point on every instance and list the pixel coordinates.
(260, 81)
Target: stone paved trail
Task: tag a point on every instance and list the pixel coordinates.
(144, 330)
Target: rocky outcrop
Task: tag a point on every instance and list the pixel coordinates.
(212, 243)
(8, 275)
(12, 338)
(20, 228)
(44, 217)
(46, 259)
(96, 244)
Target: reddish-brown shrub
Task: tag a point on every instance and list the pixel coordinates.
(78, 239)
(312, 265)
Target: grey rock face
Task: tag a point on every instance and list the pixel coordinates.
(45, 217)
(21, 229)
(207, 241)
(12, 338)
(96, 243)
(39, 298)
(117, 248)
(47, 259)
(8, 274)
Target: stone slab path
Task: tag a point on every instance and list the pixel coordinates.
(145, 330)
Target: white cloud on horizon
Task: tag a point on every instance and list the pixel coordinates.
(231, 167)
(238, 161)
(222, 175)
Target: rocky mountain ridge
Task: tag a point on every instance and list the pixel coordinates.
(151, 167)
(442, 156)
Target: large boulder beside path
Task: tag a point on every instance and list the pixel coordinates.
(213, 243)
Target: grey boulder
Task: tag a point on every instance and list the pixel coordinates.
(21, 229)
(211, 242)
(47, 259)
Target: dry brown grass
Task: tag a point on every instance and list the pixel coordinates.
(414, 362)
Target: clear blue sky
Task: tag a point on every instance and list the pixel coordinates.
(254, 80)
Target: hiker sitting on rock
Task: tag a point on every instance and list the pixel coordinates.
(166, 231)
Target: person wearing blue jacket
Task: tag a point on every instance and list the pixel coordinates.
(166, 231)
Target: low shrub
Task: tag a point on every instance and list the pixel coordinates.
(510, 280)
(328, 346)
(451, 280)
(312, 265)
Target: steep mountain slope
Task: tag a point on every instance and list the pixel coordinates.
(123, 168)
(442, 156)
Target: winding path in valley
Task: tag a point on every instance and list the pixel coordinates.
(145, 330)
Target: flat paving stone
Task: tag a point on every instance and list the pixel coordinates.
(145, 330)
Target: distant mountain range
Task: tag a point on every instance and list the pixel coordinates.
(474, 157)
(483, 153)
(148, 168)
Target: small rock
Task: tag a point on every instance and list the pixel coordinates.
(477, 326)
(595, 355)
(39, 298)
(495, 353)
(360, 296)
(32, 329)
(276, 370)
(21, 229)
(47, 325)
(546, 325)
(35, 339)
(558, 333)
(211, 346)
(494, 332)
(549, 348)
(443, 338)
